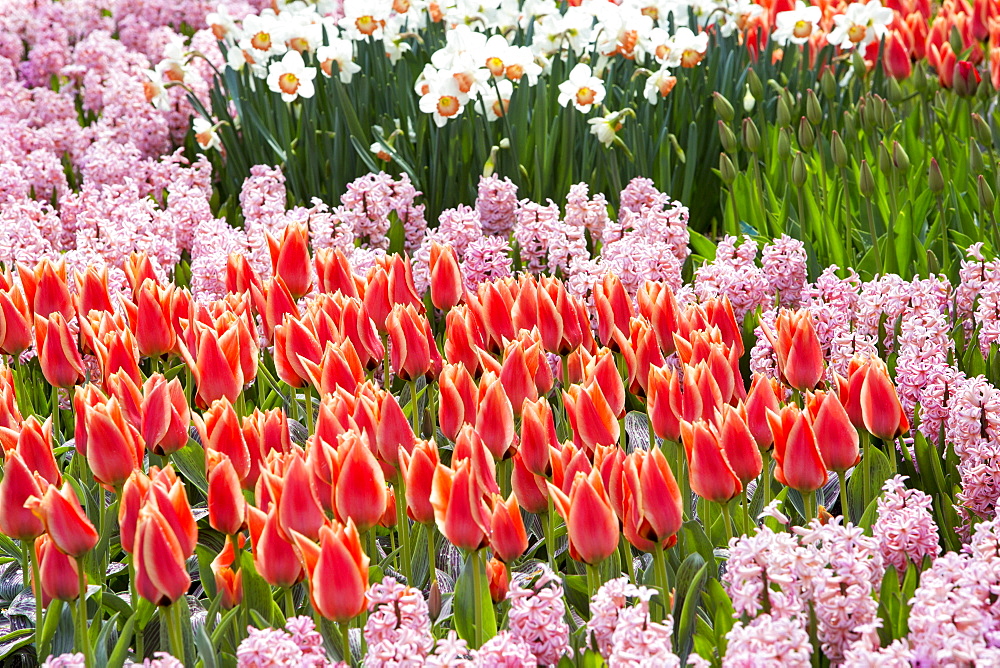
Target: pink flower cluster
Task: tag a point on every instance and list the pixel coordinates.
(299, 645)
(905, 528)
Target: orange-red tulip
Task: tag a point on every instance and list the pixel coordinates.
(241, 277)
(92, 292)
(460, 509)
(360, 488)
(227, 509)
(46, 289)
(33, 442)
(658, 305)
(603, 370)
(15, 321)
(666, 423)
(294, 343)
(131, 500)
(761, 398)
(495, 417)
(220, 430)
(57, 572)
(896, 57)
(417, 468)
(652, 508)
(334, 273)
(337, 569)
(835, 435)
(154, 334)
(392, 432)
(299, 507)
(58, 352)
(228, 582)
(138, 267)
(516, 376)
(538, 436)
(290, 259)
(508, 537)
(591, 524)
(273, 302)
(18, 485)
(413, 352)
(498, 578)
(531, 490)
(161, 575)
(738, 443)
(463, 339)
(711, 475)
(458, 399)
(64, 520)
(165, 415)
(447, 287)
(273, 556)
(799, 463)
(881, 410)
(800, 357)
(115, 448)
(215, 363)
(614, 308)
(591, 416)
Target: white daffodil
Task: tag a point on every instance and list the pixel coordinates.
(496, 100)
(156, 92)
(860, 25)
(341, 52)
(365, 19)
(443, 99)
(796, 25)
(659, 85)
(582, 88)
(262, 38)
(606, 128)
(291, 77)
(205, 134)
(688, 48)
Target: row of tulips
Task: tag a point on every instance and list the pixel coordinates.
(342, 422)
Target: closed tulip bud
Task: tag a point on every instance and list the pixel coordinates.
(836, 436)
(458, 400)
(966, 78)
(360, 489)
(894, 93)
(858, 63)
(756, 87)
(761, 398)
(806, 135)
(538, 436)
(220, 430)
(751, 135)
(459, 506)
(935, 181)
(17, 486)
(115, 448)
(33, 442)
(57, 572)
(499, 580)
(508, 537)
(723, 107)
(900, 161)
(652, 507)
(290, 259)
(274, 557)
(334, 273)
(884, 159)
(92, 291)
(447, 287)
(337, 569)
(814, 111)
(64, 520)
(866, 182)
(799, 463)
(838, 151)
(215, 363)
(153, 331)
(800, 356)
(516, 377)
(799, 172)
(58, 353)
(712, 477)
(241, 277)
(727, 138)
(828, 82)
(228, 583)
(15, 321)
(226, 505)
(739, 444)
(591, 525)
(981, 130)
(881, 411)
(495, 417)
(131, 500)
(784, 144)
(783, 118)
(986, 197)
(417, 469)
(727, 172)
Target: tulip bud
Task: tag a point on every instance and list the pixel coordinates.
(273, 556)
(723, 108)
(17, 486)
(838, 151)
(981, 130)
(814, 112)
(58, 352)
(756, 87)
(360, 489)
(290, 259)
(499, 580)
(57, 572)
(866, 182)
(976, 164)
(829, 84)
(508, 537)
(447, 287)
(784, 144)
(799, 173)
(887, 117)
(884, 159)
(727, 138)
(784, 116)
(850, 125)
(727, 172)
(935, 181)
(226, 505)
(986, 198)
(64, 520)
(900, 160)
(591, 524)
(751, 136)
(894, 93)
(806, 136)
(459, 507)
(337, 569)
(228, 582)
(858, 63)
(966, 78)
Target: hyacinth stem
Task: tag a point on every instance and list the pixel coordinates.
(82, 634)
(842, 480)
(29, 551)
(404, 529)
(345, 643)
(727, 521)
(477, 583)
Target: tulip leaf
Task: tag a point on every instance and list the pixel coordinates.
(206, 651)
(465, 602)
(875, 467)
(120, 652)
(190, 462)
(687, 594)
(695, 538)
(15, 640)
(257, 595)
(103, 639)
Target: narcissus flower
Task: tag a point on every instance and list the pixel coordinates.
(291, 77)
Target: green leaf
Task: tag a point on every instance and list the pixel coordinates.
(690, 580)
(465, 601)
(696, 539)
(190, 462)
(875, 465)
(206, 651)
(120, 652)
(101, 646)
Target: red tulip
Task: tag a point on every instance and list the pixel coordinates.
(658, 305)
(57, 572)
(116, 352)
(417, 469)
(591, 416)
(220, 430)
(290, 259)
(115, 448)
(591, 524)
(273, 302)
(226, 506)
(762, 397)
(334, 273)
(160, 558)
(516, 376)
(666, 423)
(295, 343)
(153, 332)
(495, 417)
(508, 537)
(299, 507)
(138, 267)
(538, 436)
(339, 366)
(447, 287)
(64, 520)
(131, 500)
(614, 308)
(392, 432)
(492, 307)
(337, 569)
(800, 357)
(459, 506)
(652, 507)
(881, 411)
(46, 289)
(712, 476)
(58, 353)
(215, 363)
(799, 463)
(228, 582)
(165, 415)
(167, 494)
(92, 292)
(241, 277)
(966, 79)
(645, 353)
(458, 399)
(737, 441)
(414, 352)
(836, 436)
(531, 490)
(33, 442)
(603, 370)
(360, 488)
(17, 486)
(499, 580)
(266, 432)
(463, 339)
(896, 57)
(15, 321)
(356, 325)
(274, 557)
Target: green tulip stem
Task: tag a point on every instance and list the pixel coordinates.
(82, 633)
(403, 526)
(746, 513)
(289, 602)
(56, 427)
(345, 643)
(842, 479)
(727, 521)
(414, 410)
(174, 618)
(30, 556)
(432, 554)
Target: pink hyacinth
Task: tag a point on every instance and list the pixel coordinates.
(768, 641)
(537, 615)
(585, 212)
(65, 661)
(397, 613)
(496, 202)
(638, 194)
(784, 266)
(163, 660)
(866, 653)
(605, 608)
(450, 651)
(905, 528)
(734, 274)
(486, 259)
(639, 641)
(505, 650)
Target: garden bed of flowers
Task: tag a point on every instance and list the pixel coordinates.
(510, 333)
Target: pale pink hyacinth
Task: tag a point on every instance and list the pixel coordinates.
(309, 641)
(487, 258)
(638, 641)
(768, 641)
(973, 429)
(935, 401)
(397, 612)
(734, 274)
(537, 615)
(776, 558)
(450, 652)
(905, 527)
(988, 309)
(584, 211)
(636, 259)
(369, 200)
(605, 607)
(496, 202)
(970, 281)
(866, 653)
(299, 645)
(263, 199)
(784, 265)
(457, 228)
(162, 660)
(762, 356)
(924, 346)
(637, 195)
(537, 231)
(214, 241)
(68, 660)
(505, 650)
(409, 213)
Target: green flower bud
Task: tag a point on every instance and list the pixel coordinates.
(893, 91)
(726, 169)
(976, 163)
(814, 112)
(798, 170)
(756, 87)
(850, 125)
(986, 198)
(784, 118)
(869, 113)
(838, 151)
(981, 130)
(829, 84)
(806, 135)
(858, 63)
(866, 181)
(934, 179)
(900, 160)
(727, 138)
(751, 136)
(785, 143)
(884, 159)
(723, 108)
(887, 116)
